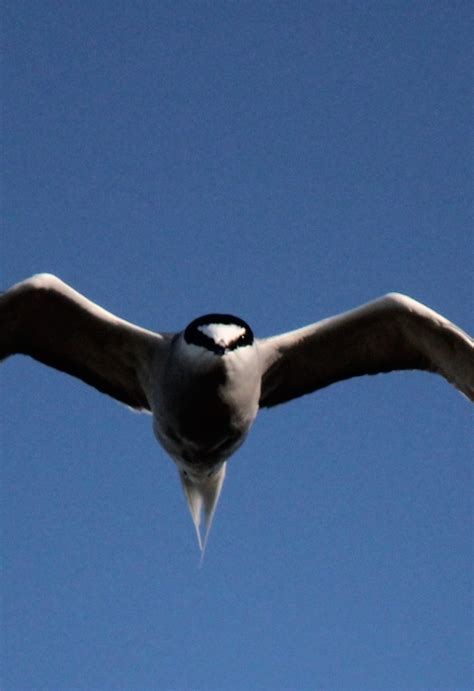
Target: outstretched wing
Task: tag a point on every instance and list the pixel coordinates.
(391, 333)
(46, 319)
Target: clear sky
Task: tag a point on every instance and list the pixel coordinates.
(283, 161)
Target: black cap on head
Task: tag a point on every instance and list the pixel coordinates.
(197, 334)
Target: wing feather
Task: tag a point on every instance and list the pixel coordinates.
(46, 319)
(391, 333)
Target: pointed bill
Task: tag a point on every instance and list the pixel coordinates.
(202, 495)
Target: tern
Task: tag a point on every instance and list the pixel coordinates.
(205, 385)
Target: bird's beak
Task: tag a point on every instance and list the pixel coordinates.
(202, 494)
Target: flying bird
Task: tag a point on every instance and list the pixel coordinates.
(205, 385)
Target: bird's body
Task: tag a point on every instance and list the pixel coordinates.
(205, 385)
(201, 410)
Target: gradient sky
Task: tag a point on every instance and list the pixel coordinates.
(283, 161)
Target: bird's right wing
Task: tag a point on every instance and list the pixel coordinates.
(46, 319)
(394, 332)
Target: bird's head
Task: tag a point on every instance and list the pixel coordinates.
(219, 333)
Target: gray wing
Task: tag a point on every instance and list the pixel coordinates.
(391, 333)
(46, 319)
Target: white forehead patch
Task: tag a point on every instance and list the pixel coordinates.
(222, 334)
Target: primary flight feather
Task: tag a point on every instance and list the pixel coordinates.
(205, 384)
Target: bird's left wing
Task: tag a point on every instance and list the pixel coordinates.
(46, 319)
(392, 333)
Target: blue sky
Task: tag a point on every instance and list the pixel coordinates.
(283, 161)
